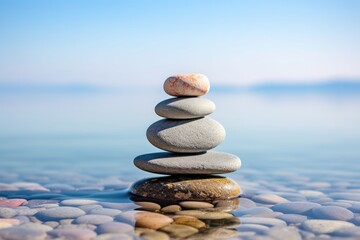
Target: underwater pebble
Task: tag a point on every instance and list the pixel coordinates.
(269, 198)
(332, 213)
(59, 213)
(20, 233)
(294, 207)
(324, 226)
(80, 234)
(93, 219)
(114, 227)
(189, 221)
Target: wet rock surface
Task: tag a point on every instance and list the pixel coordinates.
(187, 188)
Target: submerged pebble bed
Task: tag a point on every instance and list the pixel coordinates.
(281, 205)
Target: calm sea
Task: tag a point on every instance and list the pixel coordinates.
(99, 133)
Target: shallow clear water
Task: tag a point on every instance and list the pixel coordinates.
(288, 143)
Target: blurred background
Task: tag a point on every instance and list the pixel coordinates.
(79, 80)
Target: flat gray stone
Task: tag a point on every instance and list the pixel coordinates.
(294, 207)
(59, 213)
(186, 136)
(203, 163)
(93, 219)
(332, 213)
(345, 196)
(21, 233)
(292, 218)
(185, 108)
(268, 198)
(324, 226)
(106, 211)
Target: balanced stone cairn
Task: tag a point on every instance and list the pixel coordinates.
(187, 135)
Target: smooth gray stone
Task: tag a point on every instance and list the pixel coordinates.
(347, 232)
(332, 213)
(106, 212)
(324, 226)
(292, 218)
(114, 227)
(17, 233)
(294, 207)
(59, 213)
(72, 233)
(252, 228)
(253, 212)
(345, 196)
(93, 219)
(7, 212)
(185, 108)
(203, 163)
(186, 136)
(280, 233)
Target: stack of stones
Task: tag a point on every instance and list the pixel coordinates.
(187, 135)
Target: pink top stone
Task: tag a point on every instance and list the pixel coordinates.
(187, 85)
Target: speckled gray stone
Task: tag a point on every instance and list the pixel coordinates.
(186, 136)
(203, 163)
(59, 213)
(185, 108)
(332, 213)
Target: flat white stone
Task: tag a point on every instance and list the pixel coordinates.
(185, 108)
(186, 136)
(204, 163)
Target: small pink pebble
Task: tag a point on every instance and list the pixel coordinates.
(11, 203)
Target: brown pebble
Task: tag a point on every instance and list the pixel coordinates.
(189, 221)
(195, 205)
(150, 234)
(227, 205)
(179, 230)
(171, 209)
(192, 188)
(145, 219)
(219, 233)
(205, 215)
(148, 206)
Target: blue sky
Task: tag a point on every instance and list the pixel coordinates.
(117, 43)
